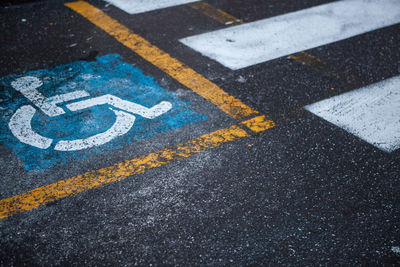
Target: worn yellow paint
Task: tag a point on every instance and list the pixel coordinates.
(227, 19)
(215, 13)
(185, 75)
(322, 67)
(258, 124)
(309, 60)
(68, 187)
(221, 16)
(173, 67)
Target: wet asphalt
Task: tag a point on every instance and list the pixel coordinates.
(305, 192)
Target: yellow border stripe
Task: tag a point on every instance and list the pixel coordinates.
(93, 179)
(322, 67)
(215, 13)
(258, 124)
(188, 77)
(309, 60)
(180, 72)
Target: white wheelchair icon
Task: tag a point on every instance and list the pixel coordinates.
(20, 122)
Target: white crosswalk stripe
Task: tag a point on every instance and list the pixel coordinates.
(140, 6)
(252, 43)
(371, 113)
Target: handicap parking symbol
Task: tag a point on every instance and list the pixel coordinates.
(73, 111)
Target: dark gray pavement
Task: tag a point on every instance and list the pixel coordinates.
(305, 192)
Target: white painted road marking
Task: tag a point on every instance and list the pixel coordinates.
(148, 113)
(20, 126)
(27, 86)
(123, 123)
(252, 43)
(396, 250)
(371, 113)
(140, 6)
(20, 122)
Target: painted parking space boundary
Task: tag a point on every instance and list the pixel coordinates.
(271, 38)
(173, 67)
(119, 171)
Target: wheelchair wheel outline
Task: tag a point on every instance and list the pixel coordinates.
(20, 122)
(20, 126)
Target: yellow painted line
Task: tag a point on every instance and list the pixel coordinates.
(221, 16)
(188, 77)
(309, 60)
(258, 124)
(302, 57)
(322, 67)
(173, 67)
(93, 179)
(215, 13)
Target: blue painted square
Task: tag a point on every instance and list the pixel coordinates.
(108, 78)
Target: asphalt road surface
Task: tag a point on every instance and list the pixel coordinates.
(220, 132)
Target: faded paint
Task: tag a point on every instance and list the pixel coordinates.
(227, 19)
(258, 124)
(68, 187)
(256, 42)
(74, 185)
(310, 60)
(173, 67)
(119, 106)
(371, 113)
(215, 13)
(320, 66)
(20, 122)
(122, 125)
